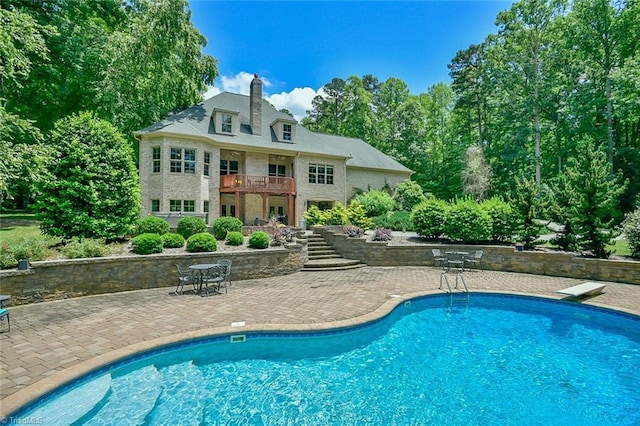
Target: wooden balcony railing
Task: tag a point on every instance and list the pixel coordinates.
(257, 183)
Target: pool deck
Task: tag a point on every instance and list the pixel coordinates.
(53, 342)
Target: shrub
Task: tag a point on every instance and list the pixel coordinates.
(358, 216)
(631, 229)
(503, 218)
(353, 231)
(92, 188)
(172, 240)
(146, 244)
(408, 195)
(152, 225)
(36, 248)
(87, 247)
(225, 224)
(375, 202)
(467, 222)
(313, 216)
(397, 220)
(336, 216)
(428, 217)
(282, 236)
(234, 238)
(191, 225)
(202, 242)
(259, 240)
(382, 234)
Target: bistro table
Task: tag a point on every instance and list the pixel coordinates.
(202, 268)
(455, 259)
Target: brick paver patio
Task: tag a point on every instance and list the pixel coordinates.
(52, 342)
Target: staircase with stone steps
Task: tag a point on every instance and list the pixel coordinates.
(322, 257)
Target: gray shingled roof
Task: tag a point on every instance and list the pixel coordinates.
(196, 122)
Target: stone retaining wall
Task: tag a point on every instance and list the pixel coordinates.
(51, 280)
(499, 258)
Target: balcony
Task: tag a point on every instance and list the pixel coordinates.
(257, 184)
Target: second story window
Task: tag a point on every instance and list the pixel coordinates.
(207, 164)
(321, 173)
(183, 160)
(227, 123)
(277, 170)
(229, 167)
(155, 159)
(286, 132)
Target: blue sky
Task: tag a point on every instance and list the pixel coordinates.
(298, 46)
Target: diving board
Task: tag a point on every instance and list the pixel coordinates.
(588, 288)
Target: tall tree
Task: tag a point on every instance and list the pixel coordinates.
(525, 30)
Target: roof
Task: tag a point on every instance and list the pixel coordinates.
(196, 122)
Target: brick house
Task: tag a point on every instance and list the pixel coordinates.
(236, 155)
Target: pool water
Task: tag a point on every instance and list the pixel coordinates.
(498, 360)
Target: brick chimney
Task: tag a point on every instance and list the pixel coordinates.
(255, 105)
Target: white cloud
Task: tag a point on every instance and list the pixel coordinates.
(297, 101)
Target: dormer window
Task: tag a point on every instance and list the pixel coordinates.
(287, 133)
(226, 122)
(285, 130)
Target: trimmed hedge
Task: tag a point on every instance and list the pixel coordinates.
(191, 225)
(234, 238)
(202, 242)
(259, 240)
(172, 240)
(147, 244)
(226, 224)
(152, 225)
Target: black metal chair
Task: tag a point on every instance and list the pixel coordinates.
(475, 259)
(227, 264)
(186, 277)
(216, 278)
(438, 258)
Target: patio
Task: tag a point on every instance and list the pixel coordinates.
(54, 341)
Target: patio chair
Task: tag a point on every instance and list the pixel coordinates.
(455, 261)
(438, 258)
(475, 259)
(227, 263)
(5, 313)
(216, 278)
(185, 277)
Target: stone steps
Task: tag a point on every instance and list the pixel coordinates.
(322, 257)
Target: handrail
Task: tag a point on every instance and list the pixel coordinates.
(258, 183)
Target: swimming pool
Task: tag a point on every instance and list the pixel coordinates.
(496, 360)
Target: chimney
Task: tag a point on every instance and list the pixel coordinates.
(255, 105)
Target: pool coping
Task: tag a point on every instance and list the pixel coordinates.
(16, 401)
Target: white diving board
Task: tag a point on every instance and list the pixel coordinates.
(589, 288)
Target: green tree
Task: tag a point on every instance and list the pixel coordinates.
(528, 203)
(594, 198)
(91, 190)
(407, 195)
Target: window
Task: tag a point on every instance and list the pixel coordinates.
(190, 161)
(229, 167)
(277, 170)
(205, 206)
(229, 210)
(182, 206)
(155, 205)
(286, 132)
(183, 160)
(176, 160)
(207, 164)
(321, 173)
(227, 121)
(189, 206)
(155, 159)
